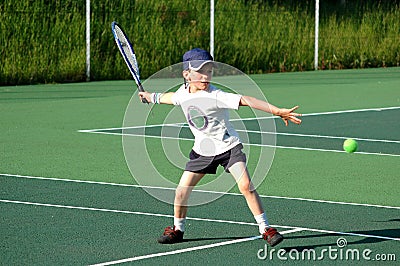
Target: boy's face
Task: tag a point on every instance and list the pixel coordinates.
(200, 79)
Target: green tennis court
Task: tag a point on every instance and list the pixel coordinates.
(68, 197)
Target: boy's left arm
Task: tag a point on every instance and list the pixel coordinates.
(286, 114)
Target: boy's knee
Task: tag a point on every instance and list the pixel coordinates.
(182, 193)
(246, 186)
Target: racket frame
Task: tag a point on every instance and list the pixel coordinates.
(135, 74)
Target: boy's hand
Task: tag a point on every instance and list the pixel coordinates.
(288, 115)
(145, 95)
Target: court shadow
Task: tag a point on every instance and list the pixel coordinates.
(388, 221)
(213, 238)
(390, 233)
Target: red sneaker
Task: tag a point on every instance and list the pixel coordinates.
(170, 236)
(272, 236)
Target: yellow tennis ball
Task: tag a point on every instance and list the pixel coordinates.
(350, 145)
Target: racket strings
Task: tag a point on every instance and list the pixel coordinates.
(130, 55)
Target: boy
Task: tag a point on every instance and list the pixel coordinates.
(216, 141)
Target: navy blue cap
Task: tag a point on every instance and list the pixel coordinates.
(196, 58)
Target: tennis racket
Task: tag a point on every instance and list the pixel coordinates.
(127, 52)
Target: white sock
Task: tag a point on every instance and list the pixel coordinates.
(262, 222)
(179, 224)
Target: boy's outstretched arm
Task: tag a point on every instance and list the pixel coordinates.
(286, 114)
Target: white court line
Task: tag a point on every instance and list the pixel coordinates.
(196, 190)
(238, 130)
(100, 131)
(133, 127)
(154, 255)
(253, 144)
(194, 218)
(178, 251)
(256, 145)
(252, 118)
(377, 109)
(325, 150)
(319, 136)
(292, 229)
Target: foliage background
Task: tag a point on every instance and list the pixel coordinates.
(43, 41)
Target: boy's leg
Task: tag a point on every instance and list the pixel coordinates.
(240, 173)
(186, 184)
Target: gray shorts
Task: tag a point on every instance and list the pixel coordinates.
(209, 164)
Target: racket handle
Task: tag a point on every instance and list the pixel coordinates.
(140, 88)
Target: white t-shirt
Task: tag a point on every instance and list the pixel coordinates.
(207, 113)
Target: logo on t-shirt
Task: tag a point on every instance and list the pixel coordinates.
(197, 118)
